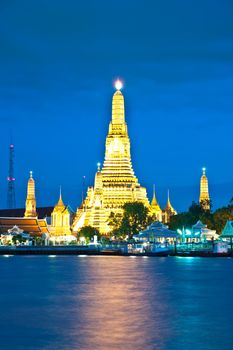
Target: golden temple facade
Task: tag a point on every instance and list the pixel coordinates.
(204, 198)
(60, 224)
(115, 184)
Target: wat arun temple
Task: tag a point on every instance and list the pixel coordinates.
(115, 184)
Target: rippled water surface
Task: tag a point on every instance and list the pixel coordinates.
(116, 303)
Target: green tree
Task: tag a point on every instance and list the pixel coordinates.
(208, 219)
(135, 218)
(37, 240)
(221, 216)
(114, 221)
(189, 218)
(185, 219)
(18, 238)
(88, 232)
(196, 209)
(215, 221)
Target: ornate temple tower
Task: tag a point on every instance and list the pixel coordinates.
(115, 183)
(60, 225)
(31, 198)
(168, 211)
(204, 198)
(155, 209)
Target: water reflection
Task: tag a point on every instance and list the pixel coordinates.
(122, 306)
(115, 303)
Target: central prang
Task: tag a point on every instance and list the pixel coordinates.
(115, 184)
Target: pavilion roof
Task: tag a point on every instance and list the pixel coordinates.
(199, 225)
(157, 229)
(228, 230)
(33, 226)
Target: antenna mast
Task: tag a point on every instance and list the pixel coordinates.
(11, 179)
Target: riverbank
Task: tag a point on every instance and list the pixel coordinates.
(74, 250)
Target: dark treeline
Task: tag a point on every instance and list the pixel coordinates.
(215, 220)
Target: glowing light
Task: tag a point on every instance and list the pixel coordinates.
(52, 256)
(118, 84)
(10, 178)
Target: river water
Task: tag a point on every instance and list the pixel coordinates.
(116, 303)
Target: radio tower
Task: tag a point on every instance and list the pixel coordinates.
(11, 180)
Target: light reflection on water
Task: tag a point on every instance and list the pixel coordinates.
(115, 303)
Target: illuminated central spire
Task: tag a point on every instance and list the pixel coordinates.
(117, 168)
(115, 182)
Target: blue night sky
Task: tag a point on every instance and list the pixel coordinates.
(58, 62)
